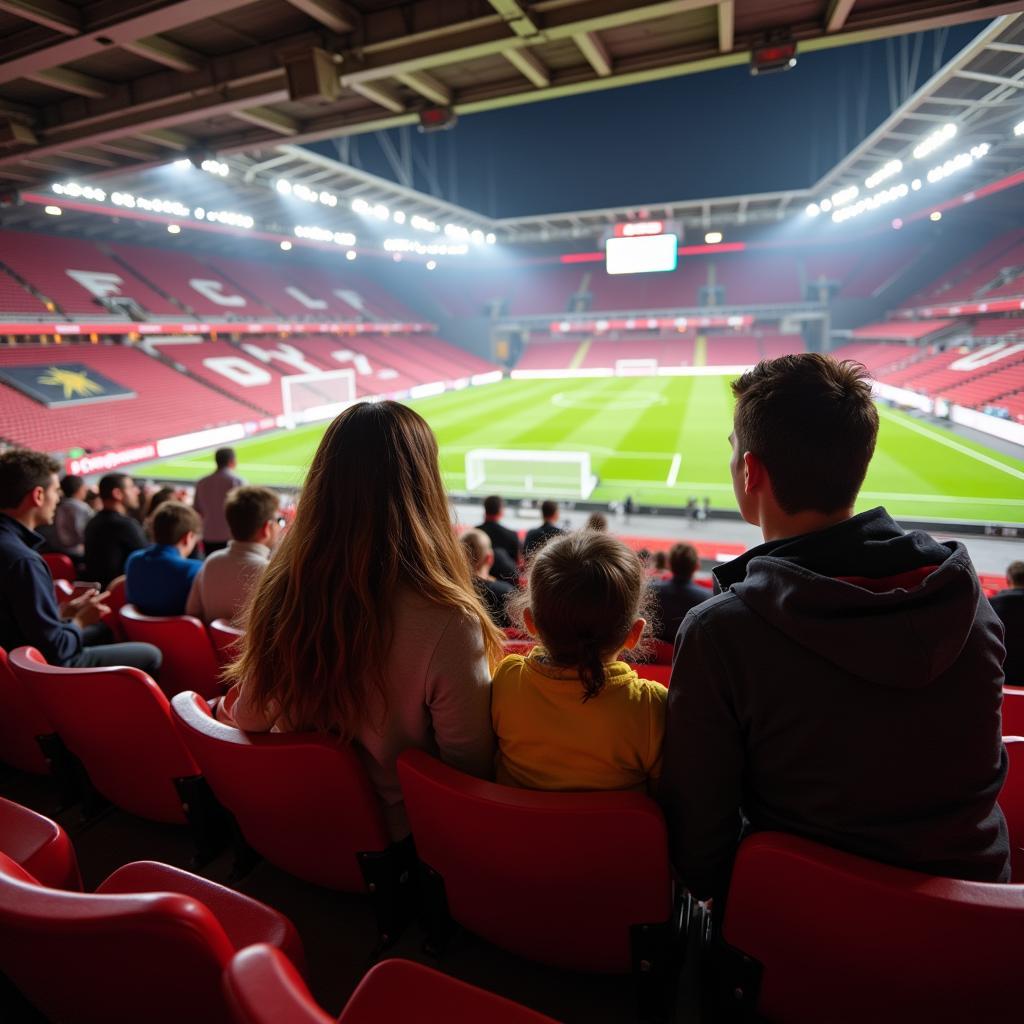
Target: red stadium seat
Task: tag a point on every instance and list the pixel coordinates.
(21, 723)
(519, 646)
(61, 567)
(662, 653)
(118, 724)
(264, 988)
(150, 945)
(301, 800)
(813, 934)
(659, 673)
(224, 638)
(1011, 800)
(1013, 711)
(189, 660)
(575, 880)
(38, 845)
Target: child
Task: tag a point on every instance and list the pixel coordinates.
(570, 715)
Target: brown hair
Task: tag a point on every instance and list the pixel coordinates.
(585, 591)
(158, 498)
(172, 520)
(597, 521)
(248, 508)
(683, 560)
(813, 423)
(1015, 574)
(477, 546)
(21, 471)
(373, 516)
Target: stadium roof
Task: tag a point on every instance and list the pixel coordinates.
(92, 86)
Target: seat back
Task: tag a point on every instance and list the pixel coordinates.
(1013, 710)
(302, 801)
(39, 845)
(118, 724)
(1011, 800)
(224, 638)
(21, 721)
(81, 959)
(831, 936)
(659, 673)
(189, 661)
(263, 987)
(61, 567)
(556, 877)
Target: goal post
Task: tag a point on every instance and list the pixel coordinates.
(636, 367)
(309, 397)
(518, 472)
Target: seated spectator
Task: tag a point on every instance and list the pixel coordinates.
(71, 635)
(211, 494)
(571, 715)
(674, 597)
(494, 593)
(112, 535)
(1009, 606)
(72, 516)
(158, 578)
(540, 535)
(158, 497)
(846, 684)
(597, 521)
(365, 625)
(660, 561)
(508, 552)
(222, 587)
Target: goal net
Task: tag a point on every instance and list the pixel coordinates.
(522, 473)
(636, 367)
(308, 397)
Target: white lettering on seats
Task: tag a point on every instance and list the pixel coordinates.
(100, 283)
(357, 359)
(986, 356)
(238, 370)
(213, 290)
(354, 299)
(308, 301)
(292, 357)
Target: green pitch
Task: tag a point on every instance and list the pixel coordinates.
(633, 429)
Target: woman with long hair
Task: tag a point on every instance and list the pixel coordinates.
(366, 624)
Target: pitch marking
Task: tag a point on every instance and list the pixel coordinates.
(673, 473)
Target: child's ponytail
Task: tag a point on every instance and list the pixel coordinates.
(590, 665)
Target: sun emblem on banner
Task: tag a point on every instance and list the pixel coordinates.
(76, 383)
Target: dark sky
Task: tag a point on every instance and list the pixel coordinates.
(718, 133)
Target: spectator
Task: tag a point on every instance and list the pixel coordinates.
(846, 685)
(597, 521)
(157, 498)
(674, 597)
(494, 593)
(71, 635)
(211, 494)
(540, 535)
(112, 535)
(571, 715)
(365, 625)
(227, 577)
(72, 516)
(504, 542)
(660, 561)
(158, 578)
(1009, 606)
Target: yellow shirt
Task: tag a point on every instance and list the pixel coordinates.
(549, 739)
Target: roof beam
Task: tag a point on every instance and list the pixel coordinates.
(838, 12)
(168, 139)
(336, 15)
(516, 17)
(526, 62)
(726, 25)
(71, 81)
(90, 156)
(427, 86)
(53, 14)
(594, 50)
(163, 51)
(978, 76)
(131, 148)
(380, 94)
(264, 117)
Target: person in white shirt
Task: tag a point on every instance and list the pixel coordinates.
(224, 582)
(211, 494)
(72, 515)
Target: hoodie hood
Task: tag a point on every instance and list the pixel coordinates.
(880, 603)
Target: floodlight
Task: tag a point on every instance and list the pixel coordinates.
(916, 184)
(813, 209)
(183, 164)
(381, 212)
(477, 237)
(283, 186)
(887, 171)
(286, 246)
(1018, 128)
(53, 211)
(399, 216)
(174, 229)
(360, 205)
(939, 137)
(936, 215)
(845, 195)
(431, 264)
(490, 238)
(351, 254)
(826, 205)
(712, 237)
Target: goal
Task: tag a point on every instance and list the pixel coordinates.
(521, 473)
(636, 367)
(309, 397)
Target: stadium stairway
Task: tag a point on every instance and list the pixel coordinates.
(580, 354)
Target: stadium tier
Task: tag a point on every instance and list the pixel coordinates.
(16, 298)
(878, 356)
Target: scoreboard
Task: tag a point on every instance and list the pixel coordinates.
(642, 247)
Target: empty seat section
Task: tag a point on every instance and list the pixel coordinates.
(833, 265)
(775, 345)
(16, 298)
(282, 288)
(884, 267)
(732, 351)
(963, 280)
(166, 403)
(72, 272)
(877, 356)
(757, 280)
(469, 361)
(607, 353)
(1008, 327)
(548, 355)
(439, 363)
(338, 352)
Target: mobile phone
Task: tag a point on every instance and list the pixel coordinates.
(81, 587)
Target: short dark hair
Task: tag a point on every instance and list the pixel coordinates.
(493, 505)
(248, 508)
(585, 591)
(548, 509)
(158, 498)
(172, 520)
(112, 482)
(71, 485)
(1015, 574)
(683, 561)
(22, 471)
(224, 457)
(813, 423)
(597, 521)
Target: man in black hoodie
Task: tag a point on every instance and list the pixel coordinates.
(845, 685)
